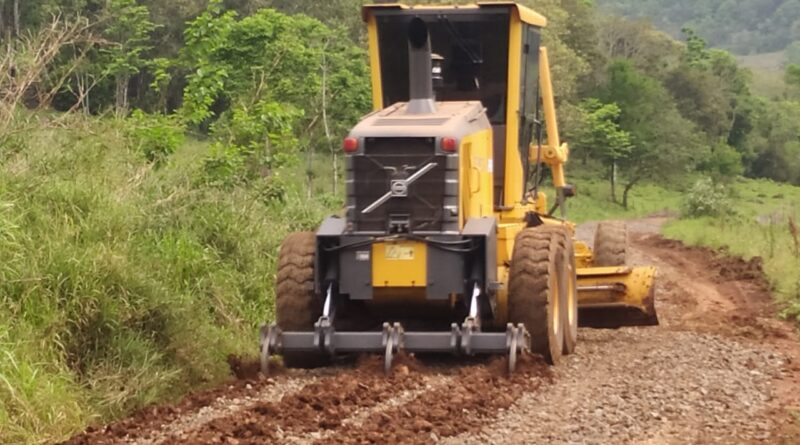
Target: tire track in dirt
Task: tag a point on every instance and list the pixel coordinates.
(316, 408)
(361, 416)
(475, 396)
(152, 425)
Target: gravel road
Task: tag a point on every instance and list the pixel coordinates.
(719, 369)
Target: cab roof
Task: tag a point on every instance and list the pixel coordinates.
(527, 15)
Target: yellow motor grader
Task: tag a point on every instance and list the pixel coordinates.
(448, 244)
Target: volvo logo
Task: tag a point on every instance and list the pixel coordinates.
(399, 188)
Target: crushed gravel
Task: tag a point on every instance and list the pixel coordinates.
(640, 386)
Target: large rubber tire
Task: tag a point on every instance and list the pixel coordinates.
(297, 307)
(611, 244)
(536, 289)
(570, 307)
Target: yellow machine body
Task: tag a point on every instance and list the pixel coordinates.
(402, 266)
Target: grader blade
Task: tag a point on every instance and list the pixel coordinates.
(613, 297)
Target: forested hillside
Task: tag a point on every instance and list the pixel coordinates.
(153, 153)
(745, 27)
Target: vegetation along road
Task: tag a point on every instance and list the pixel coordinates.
(719, 369)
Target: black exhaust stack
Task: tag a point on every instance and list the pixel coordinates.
(421, 100)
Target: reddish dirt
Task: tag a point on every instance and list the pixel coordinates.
(319, 406)
(475, 396)
(718, 293)
(699, 290)
(143, 421)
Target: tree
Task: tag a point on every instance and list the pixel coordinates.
(664, 144)
(776, 142)
(303, 79)
(650, 50)
(129, 28)
(603, 138)
(793, 78)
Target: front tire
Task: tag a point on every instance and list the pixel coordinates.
(571, 296)
(536, 288)
(611, 244)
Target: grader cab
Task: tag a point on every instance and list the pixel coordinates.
(448, 244)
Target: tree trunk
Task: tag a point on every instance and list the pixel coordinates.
(2, 18)
(613, 179)
(121, 98)
(626, 192)
(16, 18)
(325, 123)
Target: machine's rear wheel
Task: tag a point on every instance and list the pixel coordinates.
(611, 244)
(296, 306)
(536, 288)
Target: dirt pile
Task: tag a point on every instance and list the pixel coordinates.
(722, 265)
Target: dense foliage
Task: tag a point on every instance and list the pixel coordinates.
(745, 27)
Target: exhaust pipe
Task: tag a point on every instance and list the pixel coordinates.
(420, 65)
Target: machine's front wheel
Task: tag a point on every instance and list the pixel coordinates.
(296, 305)
(537, 288)
(570, 303)
(611, 244)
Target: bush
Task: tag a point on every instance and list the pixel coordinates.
(154, 135)
(706, 198)
(723, 162)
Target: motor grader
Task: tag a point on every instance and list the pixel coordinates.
(448, 244)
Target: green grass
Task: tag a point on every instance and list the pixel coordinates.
(124, 284)
(759, 228)
(593, 201)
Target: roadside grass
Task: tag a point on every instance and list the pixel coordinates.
(760, 227)
(123, 283)
(593, 201)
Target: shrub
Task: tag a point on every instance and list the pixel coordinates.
(154, 135)
(706, 198)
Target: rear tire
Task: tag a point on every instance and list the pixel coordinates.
(297, 307)
(536, 288)
(611, 244)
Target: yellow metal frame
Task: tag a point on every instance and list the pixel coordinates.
(402, 271)
(527, 15)
(598, 287)
(615, 287)
(375, 63)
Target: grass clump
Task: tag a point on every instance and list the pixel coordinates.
(123, 284)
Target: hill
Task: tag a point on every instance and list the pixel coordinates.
(744, 27)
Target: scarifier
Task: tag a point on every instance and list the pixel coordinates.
(448, 244)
